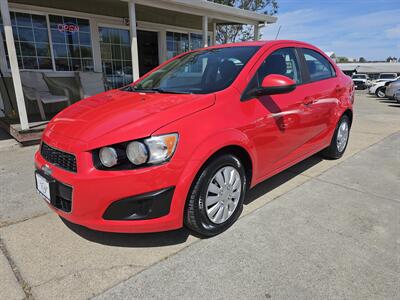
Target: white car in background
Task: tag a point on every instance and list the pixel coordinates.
(378, 87)
(387, 76)
(361, 81)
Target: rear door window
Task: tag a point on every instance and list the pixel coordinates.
(318, 67)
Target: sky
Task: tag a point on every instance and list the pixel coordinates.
(351, 28)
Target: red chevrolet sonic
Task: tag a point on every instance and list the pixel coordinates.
(183, 144)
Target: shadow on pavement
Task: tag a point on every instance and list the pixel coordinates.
(134, 240)
(180, 236)
(388, 101)
(275, 181)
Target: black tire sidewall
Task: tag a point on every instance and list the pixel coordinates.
(207, 227)
(378, 90)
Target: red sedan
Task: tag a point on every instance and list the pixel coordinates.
(183, 144)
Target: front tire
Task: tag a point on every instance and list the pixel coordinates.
(340, 139)
(215, 200)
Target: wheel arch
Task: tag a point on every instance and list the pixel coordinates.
(348, 112)
(238, 151)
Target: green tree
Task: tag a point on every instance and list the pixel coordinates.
(236, 33)
(342, 59)
(362, 60)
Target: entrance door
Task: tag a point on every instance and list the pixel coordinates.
(148, 50)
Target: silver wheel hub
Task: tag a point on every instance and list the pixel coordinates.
(223, 194)
(342, 136)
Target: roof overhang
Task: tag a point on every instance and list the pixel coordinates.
(218, 12)
(371, 67)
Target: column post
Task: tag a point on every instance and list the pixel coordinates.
(256, 32)
(205, 31)
(12, 54)
(214, 39)
(134, 45)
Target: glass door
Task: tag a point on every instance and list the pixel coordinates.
(115, 56)
(148, 50)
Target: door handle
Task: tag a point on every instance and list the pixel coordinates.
(308, 100)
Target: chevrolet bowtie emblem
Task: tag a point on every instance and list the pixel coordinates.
(46, 169)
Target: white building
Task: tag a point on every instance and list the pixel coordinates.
(121, 39)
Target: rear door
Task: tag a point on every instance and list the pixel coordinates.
(322, 91)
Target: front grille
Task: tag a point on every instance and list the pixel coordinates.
(58, 158)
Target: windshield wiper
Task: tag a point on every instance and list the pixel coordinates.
(164, 91)
(130, 88)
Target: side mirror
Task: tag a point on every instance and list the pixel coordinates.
(275, 84)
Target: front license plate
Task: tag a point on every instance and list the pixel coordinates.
(43, 186)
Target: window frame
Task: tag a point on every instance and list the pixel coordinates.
(305, 67)
(245, 97)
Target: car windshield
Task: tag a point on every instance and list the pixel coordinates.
(387, 76)
(200, 72)
(359, 76)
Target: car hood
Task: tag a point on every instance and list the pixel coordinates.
(117, 116)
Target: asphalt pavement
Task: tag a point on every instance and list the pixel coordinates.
(334, 237)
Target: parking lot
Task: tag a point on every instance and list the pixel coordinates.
(322, 229)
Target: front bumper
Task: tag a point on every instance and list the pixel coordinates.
(101, 199)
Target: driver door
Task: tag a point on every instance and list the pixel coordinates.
(280, 130)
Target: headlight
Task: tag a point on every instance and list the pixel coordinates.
(161, 148)
(128, 155)
(137, 153)
(108, 156)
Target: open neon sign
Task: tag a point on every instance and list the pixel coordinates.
(67, 28)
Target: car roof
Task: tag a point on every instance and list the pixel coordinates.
(261, 44)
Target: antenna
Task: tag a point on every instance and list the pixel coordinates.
(279, 30)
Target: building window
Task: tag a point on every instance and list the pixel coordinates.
(31, 41)
(116, 56)
(177, 43)
(72, 46)
(196, 41)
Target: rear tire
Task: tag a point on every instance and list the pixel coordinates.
(213, 191)
(339, 140)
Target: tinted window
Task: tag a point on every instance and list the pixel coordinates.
(359, 76)
(387, 76)
(282, 62)
(318, 66)
(199, 72)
